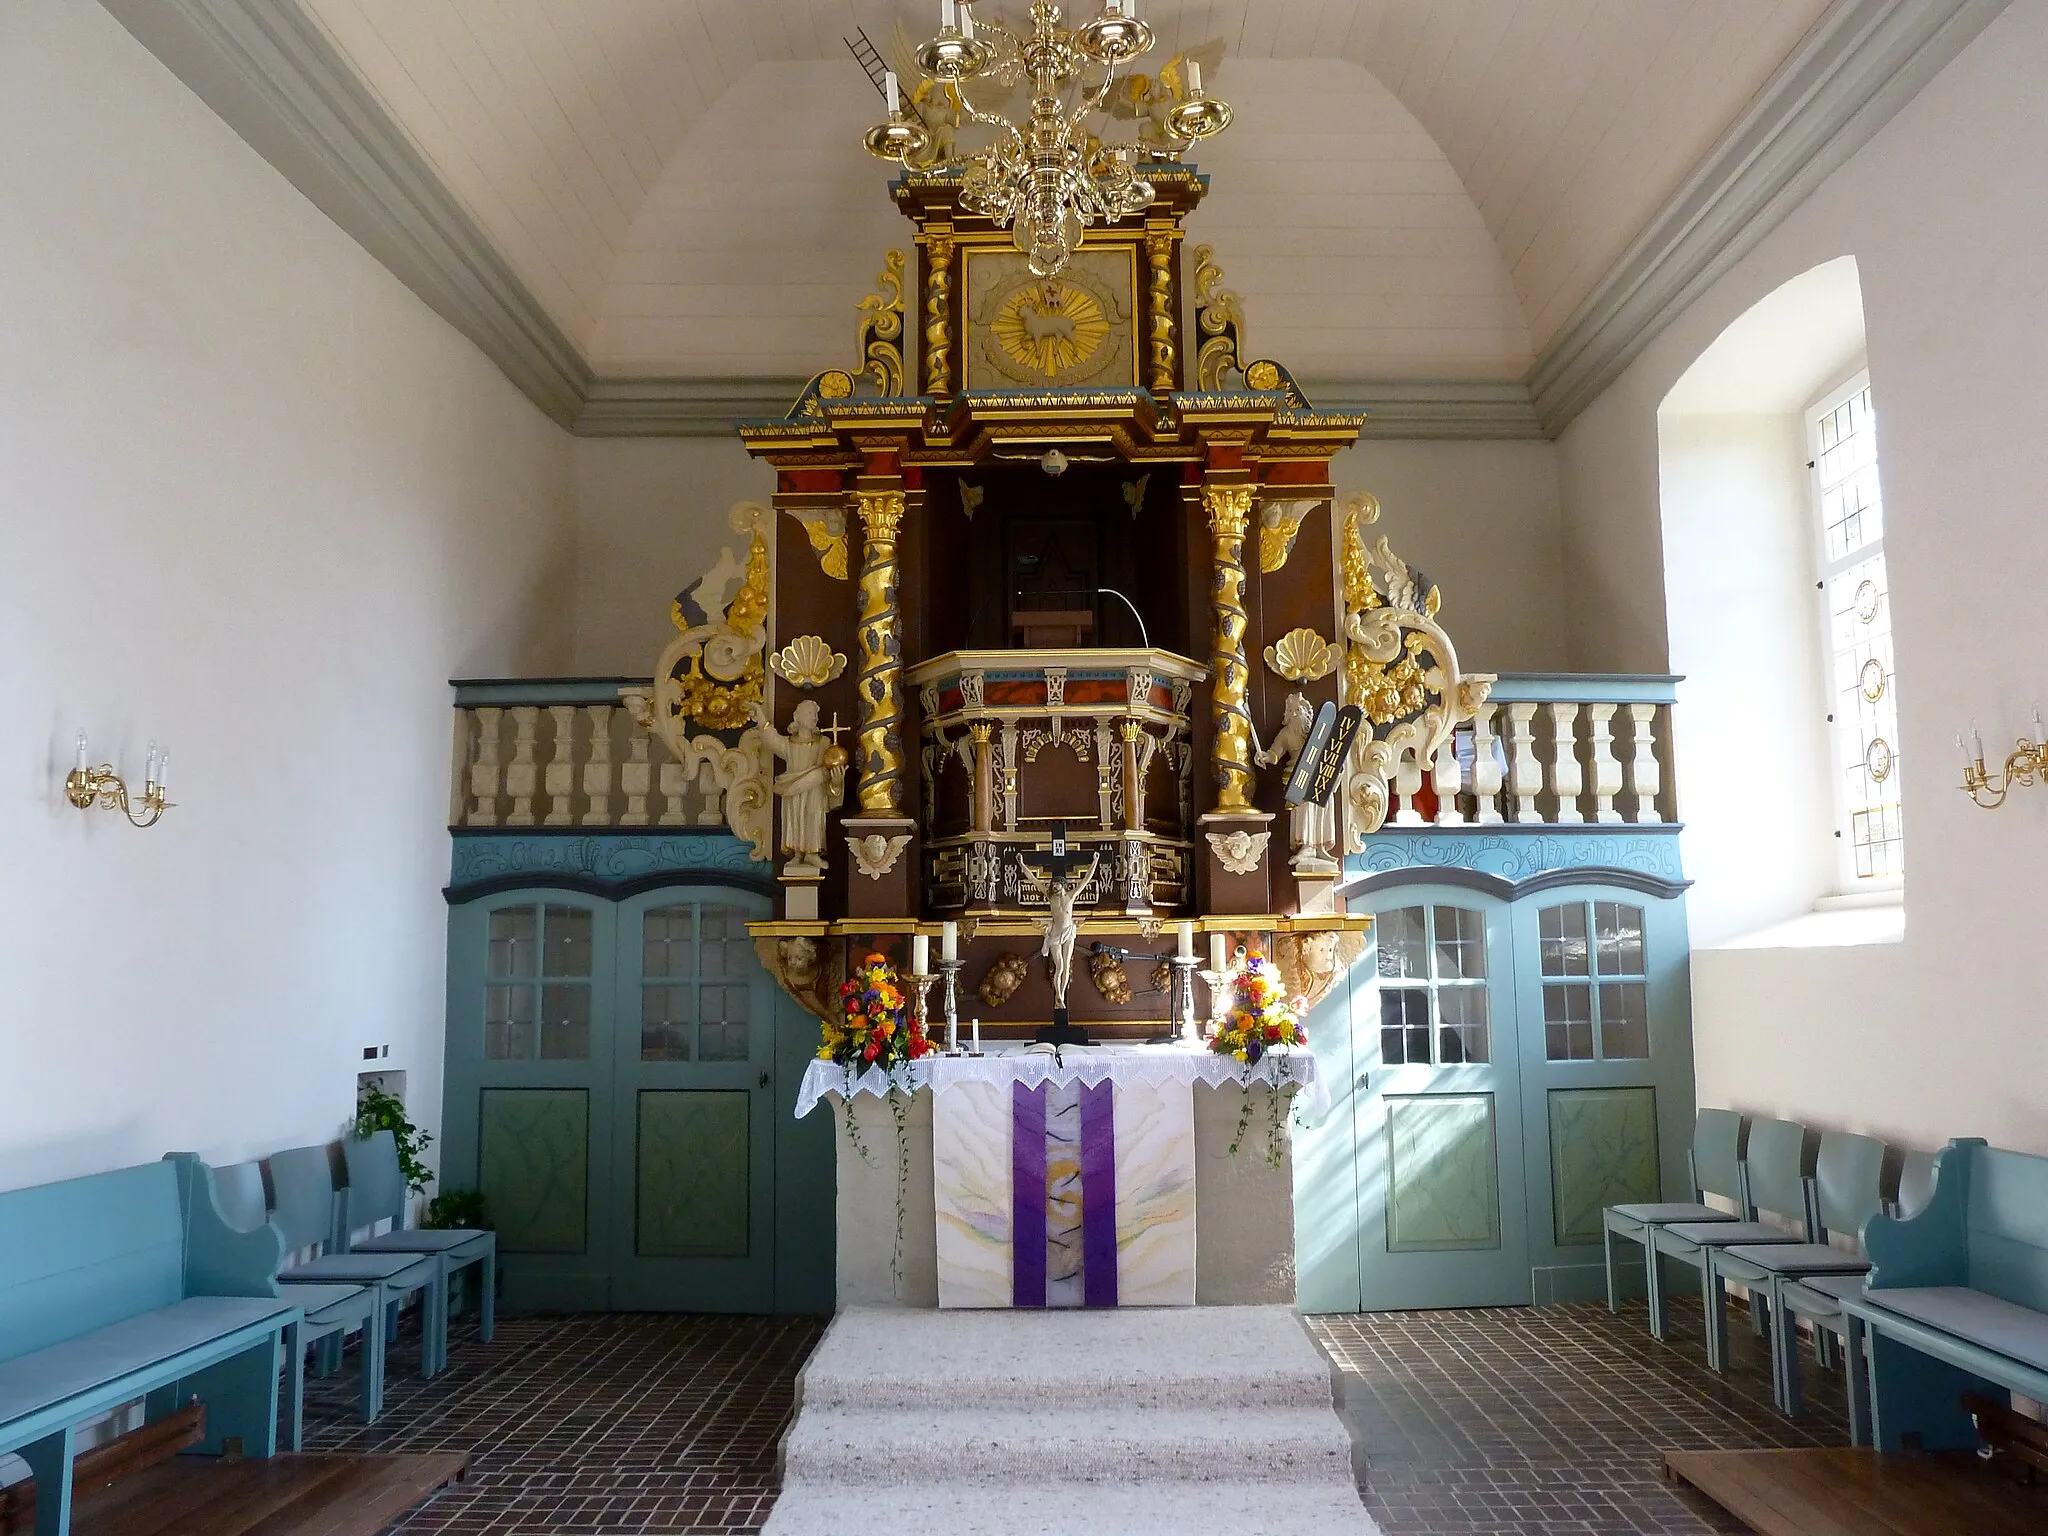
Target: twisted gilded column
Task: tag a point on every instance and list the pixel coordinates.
(881, 656)
(938, 315)
(1230, 508)
(1159, 250)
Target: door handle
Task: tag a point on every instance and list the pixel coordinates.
(764, 1079)
(1363, 1079)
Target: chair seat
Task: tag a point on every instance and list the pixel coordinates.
(131, 1347)
(1800, 1259)
(2003, 1327)
(362, 1268)
(332, 1302)
(1725, 1234)
(418, 1240)
(1820, 1296)
(1671, 1210)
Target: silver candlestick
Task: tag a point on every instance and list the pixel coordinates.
(922, 981)
(1181, 1005)
(949, 974)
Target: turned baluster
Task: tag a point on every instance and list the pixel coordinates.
(560, 779)
(523, 776)
(597, 773)
(1407, 784)
(1486, 768)
(1567, 778)
(1447, 778)
(1526, 771)
(711, 806)
(635, 775)
(674, 779)
(1645, 773)
(1606, 766)
(487, 772)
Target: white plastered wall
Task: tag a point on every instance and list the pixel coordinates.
(1943, 1034)
(260, 503)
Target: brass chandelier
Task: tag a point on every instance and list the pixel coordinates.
(1051, 177)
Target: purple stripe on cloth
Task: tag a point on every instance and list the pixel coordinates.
(1098, 1193)
(1027, 1195)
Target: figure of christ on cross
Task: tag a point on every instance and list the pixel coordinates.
(1061, 929)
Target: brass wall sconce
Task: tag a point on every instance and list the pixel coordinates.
(2027, 763)
(86, 787)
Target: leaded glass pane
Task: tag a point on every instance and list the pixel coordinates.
(664, 1023)
(1403, 944)
(565, 1023)
(1624, 1021)
(721, 931)
(509, 1033)
(514, 946)
(567, 939)
(666, 937)
(723, 1042)
(1460, 944)
(1463, 1031)
(1563, 934)
(1618, 931)
(1568, 1021)
(1404, 1026)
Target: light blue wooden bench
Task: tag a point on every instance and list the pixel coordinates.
(305, 1210)
(244, 1247)
(1957, 1298)
(99, 1306)
(1716, 1164)
(377, 1192)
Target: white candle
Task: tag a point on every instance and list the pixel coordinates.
(163, 768)
(894, 93)
(1194, 78)
(1216, 952)
(949, 16)
(81, 751)
(149, 765)
(921, 954)
(1963, 747)
(1187, 940)
(967, 25)
(1976, 742)
(949, 942)
(977, 1037)
(2039, 738)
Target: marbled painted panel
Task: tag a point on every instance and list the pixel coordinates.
(1603, 1151)
(1443, 1175)
(1063, 1287)
(971, 1177)
(1155, 1195)
(533, 1155)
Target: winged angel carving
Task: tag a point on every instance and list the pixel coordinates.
(1400, 668)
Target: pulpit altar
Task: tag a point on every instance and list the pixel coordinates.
(1100, 827)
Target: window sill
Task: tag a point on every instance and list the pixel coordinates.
(1832, 928)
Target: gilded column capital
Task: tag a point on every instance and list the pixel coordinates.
(1230, 509)
(881, 655)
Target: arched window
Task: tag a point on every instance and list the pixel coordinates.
(1857, 637)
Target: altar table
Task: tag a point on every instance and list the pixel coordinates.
(1069, 1178)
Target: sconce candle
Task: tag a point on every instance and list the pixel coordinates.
(86, 787)
(2027, 763)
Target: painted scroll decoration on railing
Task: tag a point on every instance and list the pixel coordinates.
(1400, 668)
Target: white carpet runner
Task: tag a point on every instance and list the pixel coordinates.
(1183, 1420)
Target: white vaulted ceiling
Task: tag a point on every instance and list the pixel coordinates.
(1414, 188)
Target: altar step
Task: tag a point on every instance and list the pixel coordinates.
(1197, 1420)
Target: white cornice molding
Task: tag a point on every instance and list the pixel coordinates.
(1862, 61)
(266, 69)
(269, 71)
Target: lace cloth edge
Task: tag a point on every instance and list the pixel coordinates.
(944, 1072)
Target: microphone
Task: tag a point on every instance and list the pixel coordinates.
(1143, 636)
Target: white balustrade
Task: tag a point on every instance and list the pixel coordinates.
(597, 772)
(1606, 766)
(523, 775)
(1525, 771)
(1645, 772)
(1407, 784)
(1447, 779)
(561, 775)
(486, 773)
(1488, 767)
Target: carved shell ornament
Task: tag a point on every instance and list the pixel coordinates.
(1302, 656)
(807, 662)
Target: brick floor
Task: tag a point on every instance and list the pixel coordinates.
(1502, 1421)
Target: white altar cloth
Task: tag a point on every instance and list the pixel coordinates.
(1089, 1065)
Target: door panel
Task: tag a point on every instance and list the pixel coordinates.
(1443, 1173)
(533, 1163)
(694, 1174)
(1603, 1151)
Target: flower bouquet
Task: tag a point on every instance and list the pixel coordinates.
(875, 1028)
(1263, 1021)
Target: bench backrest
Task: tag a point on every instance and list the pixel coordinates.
(376, 1189)
(1916, 1183)
(2008, 1226)
(302, 1191)
(1717, 1154)
(1777, 1167)
(84, 1253)
(1848, 1179)
(238, 1192)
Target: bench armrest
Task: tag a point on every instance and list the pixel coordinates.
(1931, 1248)
(220, 1259)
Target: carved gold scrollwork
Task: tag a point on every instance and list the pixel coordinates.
(881, 327)
(711, 673)
(1219, 323)
(1279, 524)
(825, 527)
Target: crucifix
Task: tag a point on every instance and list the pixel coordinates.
(1061, 929)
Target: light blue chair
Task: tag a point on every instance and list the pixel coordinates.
(1819, 1299)
(333, 1310)
(377, 1192)
(1775, 1171)
(1848, 1189)
(303, 1206)
(1716, 1164)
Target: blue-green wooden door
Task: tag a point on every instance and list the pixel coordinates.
(693, 1121)
(618, 1084)
(1607, 1075)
